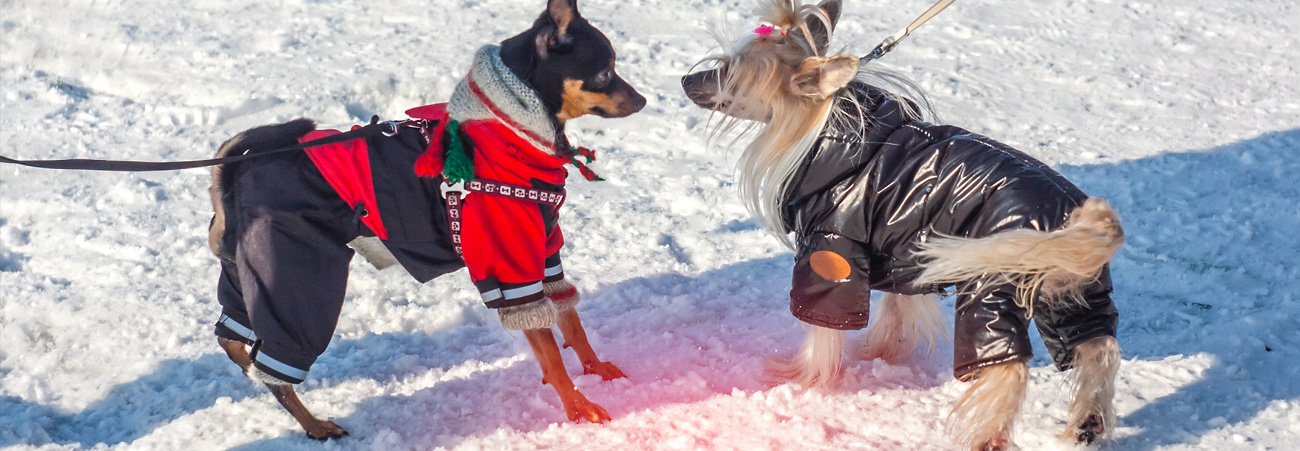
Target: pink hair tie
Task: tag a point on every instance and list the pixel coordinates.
(764, 29)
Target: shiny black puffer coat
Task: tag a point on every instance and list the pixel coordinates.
(879, 181)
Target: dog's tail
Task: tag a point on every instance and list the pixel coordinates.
(818, 363)
(260, 138)
(1053, 264)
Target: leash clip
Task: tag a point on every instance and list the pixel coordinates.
(390, 128)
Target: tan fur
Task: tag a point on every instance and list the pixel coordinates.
(1096, 363)
(1054, 264)
(901, 325)
(818, 363)
(216, 192)
(988, 410)
(579, 102)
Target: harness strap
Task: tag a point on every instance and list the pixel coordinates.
(382, 128)
(454, 195)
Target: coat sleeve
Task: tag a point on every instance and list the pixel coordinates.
(830, 287)
(506, 248)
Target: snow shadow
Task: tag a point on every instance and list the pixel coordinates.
(1209, 269)
(131, 410)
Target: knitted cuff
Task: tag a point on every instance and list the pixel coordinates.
(533, 315)
(261, 376)
(563, 293)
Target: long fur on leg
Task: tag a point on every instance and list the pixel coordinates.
(818, 363)
(1096, 363)
(986, 413)
(902, 324)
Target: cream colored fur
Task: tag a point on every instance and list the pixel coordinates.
(818, 363)
(902, 323)
(533, 315)
(784, 84)
(1096, 363)
(988, 410)
(1054, 264)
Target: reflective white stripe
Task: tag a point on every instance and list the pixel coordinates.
(554, 270)
(491, 295)
(282, 367)
(233, 325)
(522, 291)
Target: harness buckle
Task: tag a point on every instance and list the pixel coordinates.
(458, 187)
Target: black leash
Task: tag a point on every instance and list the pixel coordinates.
(374, 129)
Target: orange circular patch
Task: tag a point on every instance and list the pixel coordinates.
(830, 265)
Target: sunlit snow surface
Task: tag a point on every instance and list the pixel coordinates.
(1185, 114)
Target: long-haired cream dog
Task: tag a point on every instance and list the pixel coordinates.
(877, 198)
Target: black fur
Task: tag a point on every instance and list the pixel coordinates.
(545, 56)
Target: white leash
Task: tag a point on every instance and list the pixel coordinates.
(889, 43)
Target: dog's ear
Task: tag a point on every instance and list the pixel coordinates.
(820, 77)
(819, 29)
(556, 34)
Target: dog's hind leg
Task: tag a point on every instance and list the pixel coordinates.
(1092, 412)
(986, 414)
(316, 428)
(566, 298)
(902, 324)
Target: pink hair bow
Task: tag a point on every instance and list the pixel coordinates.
(766, 29)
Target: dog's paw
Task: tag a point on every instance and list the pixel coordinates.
(997, 444)
(325, 430)
(1090, 430)
(582, 409)
(606, 371)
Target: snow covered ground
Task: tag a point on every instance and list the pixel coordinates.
(1185, 114)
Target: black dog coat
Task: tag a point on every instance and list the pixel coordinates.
(871, 193)
(289, 217)
(286, 235)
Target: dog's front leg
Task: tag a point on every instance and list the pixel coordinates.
(316, 429)
(576, 406)
(576, 337)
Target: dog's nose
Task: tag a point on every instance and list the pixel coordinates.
(638, 102)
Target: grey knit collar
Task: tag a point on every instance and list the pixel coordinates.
(508, 95)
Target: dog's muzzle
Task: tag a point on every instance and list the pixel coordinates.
(702, 87)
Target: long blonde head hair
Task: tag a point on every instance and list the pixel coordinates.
(778, 85)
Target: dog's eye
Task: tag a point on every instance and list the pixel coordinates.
(602, 79)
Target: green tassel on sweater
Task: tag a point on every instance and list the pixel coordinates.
(458, 165)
